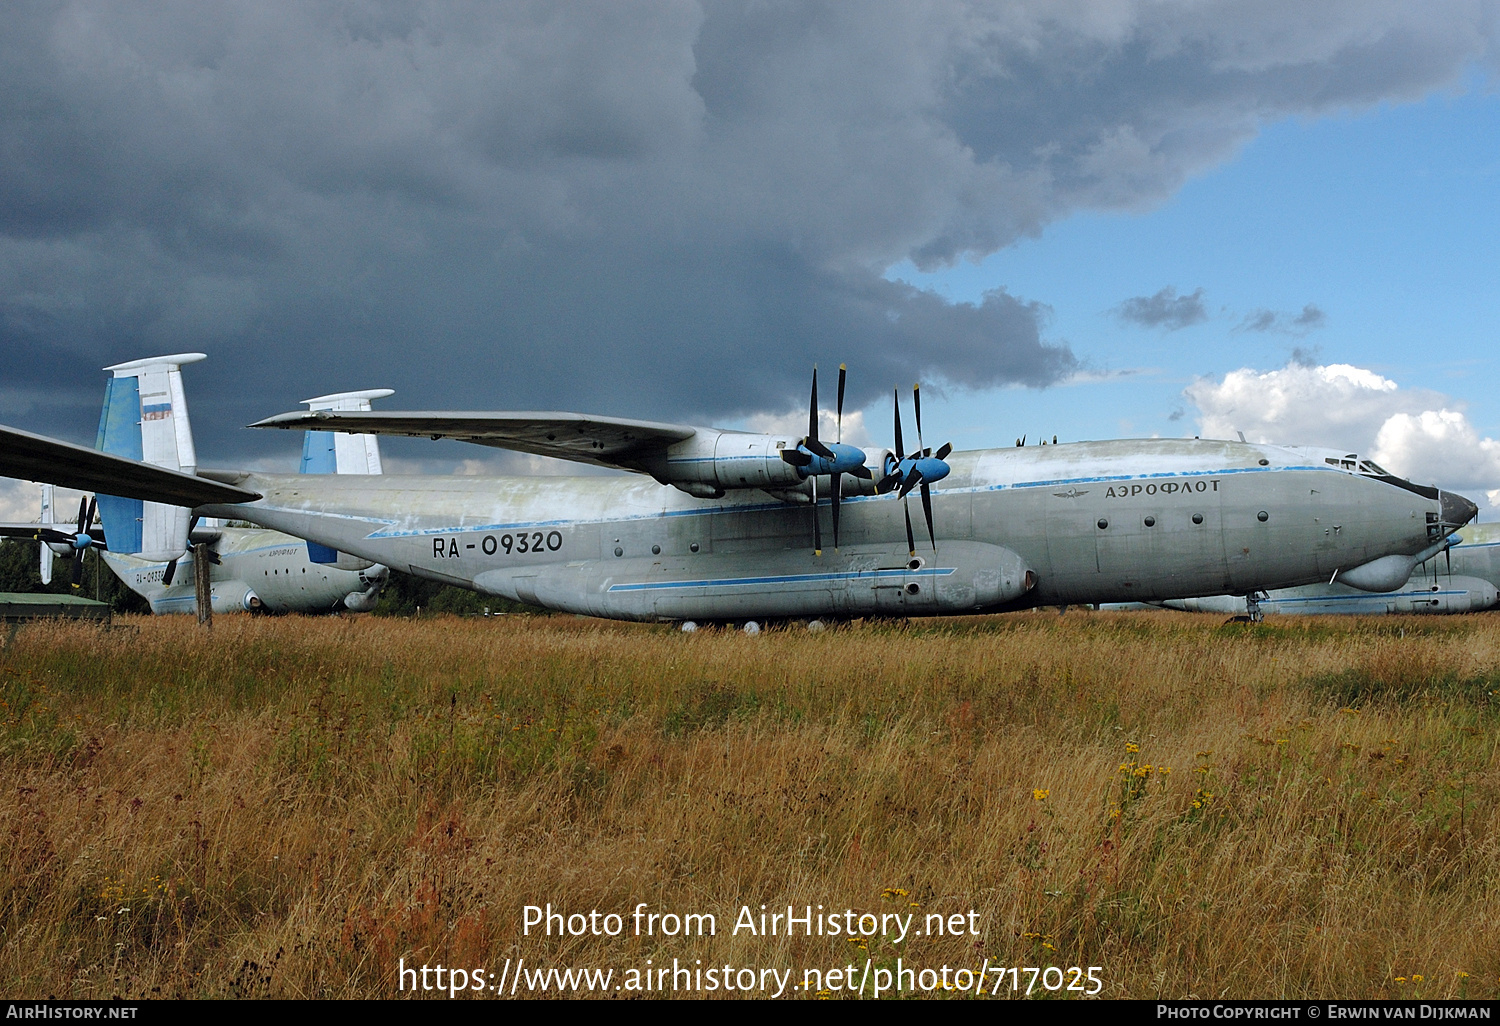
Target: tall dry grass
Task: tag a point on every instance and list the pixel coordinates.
(286, 807)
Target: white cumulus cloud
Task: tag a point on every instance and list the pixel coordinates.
(1415, 433)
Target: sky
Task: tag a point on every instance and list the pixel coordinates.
(1088, 220)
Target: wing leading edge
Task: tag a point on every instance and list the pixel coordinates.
(38, 458)
(638, 445)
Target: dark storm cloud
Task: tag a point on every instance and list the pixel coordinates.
(1166, 310)
(1297, 325)
(662, 208)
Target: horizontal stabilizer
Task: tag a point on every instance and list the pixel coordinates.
(602, 441)
(37, 458)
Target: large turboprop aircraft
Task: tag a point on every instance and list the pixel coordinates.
(1424, 593)
(252, 569)
(721, 525)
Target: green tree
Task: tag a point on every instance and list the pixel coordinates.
(405, 595)
(20, 572)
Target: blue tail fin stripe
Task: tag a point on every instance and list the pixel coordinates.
(321, 553)
(319, 455)
(120, 434)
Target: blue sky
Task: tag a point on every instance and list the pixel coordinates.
(1388, 220)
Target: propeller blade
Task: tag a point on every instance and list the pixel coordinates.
(944, 450)
(927, 510)
(83, 508)
(916, 403)
(842, 371)
(213, 557)
(88, 521)
(812, 412)
(169, 573)
(896, 397)
(835, 497)
(817, 527)
(796, 457)
(887, 483)
(863, 473)
(77, 568)
(911, 541)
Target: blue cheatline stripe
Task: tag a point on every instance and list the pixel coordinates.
(759, 507)
(1376, 596)
(1143, 477)
(188, 559)
(740, 582)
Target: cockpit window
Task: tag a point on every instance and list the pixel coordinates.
(1353, 462)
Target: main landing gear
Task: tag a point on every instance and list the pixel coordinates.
(1253, 612)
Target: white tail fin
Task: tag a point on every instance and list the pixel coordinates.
(329, 452)
(164, 437)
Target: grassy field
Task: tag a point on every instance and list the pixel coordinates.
(290, 807)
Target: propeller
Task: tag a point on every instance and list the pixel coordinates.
(814, 458)
(60, 541)
(915, 470)
(81, 541)
(170, 572)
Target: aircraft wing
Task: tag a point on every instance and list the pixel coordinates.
(602, 441)
(38, 458)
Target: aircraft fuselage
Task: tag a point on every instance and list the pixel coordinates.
(1085, 522)
(258, 570)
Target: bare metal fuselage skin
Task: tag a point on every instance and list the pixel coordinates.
(1085, 522)
(258, 569)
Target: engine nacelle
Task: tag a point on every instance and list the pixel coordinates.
(373, 579)
(224, 597)
(713, 462)
(362, 601)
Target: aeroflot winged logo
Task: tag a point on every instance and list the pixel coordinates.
(1071, 493)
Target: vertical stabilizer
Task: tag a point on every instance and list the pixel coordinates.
(336, 452)
(145, 417)
(333, 452)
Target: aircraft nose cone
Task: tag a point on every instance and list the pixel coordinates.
(1457, 510)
